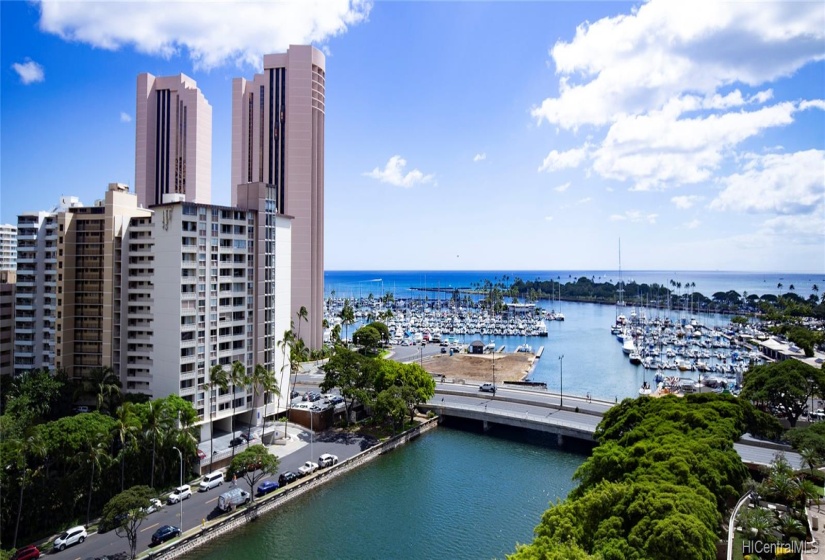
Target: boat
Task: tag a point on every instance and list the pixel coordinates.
(628, 345)
(635, 358)
(524, 348)
(645, 388)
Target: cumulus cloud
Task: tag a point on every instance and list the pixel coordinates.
(30, 72)
(479, 157)
(125, 117)
(635, 216)
(556, 160)
(563, 187)
(685, 202)
(584, 200)
(658, 81)
(776, 183)
(210, 33)
(693, 224)
(393, 173)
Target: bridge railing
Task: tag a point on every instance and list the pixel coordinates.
(536, 418)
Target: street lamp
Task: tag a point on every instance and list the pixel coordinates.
(180, 499)
(494, 373)
(421, 355)
(311, 434)
(561, 381)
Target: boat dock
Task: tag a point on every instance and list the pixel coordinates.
(539, 352)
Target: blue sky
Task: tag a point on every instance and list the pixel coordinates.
(467, 135)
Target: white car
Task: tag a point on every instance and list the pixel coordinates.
(179, 493)
(154, 505)
(72, 536)
(327, 460)
(307, 468)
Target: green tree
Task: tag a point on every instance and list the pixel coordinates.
(155, 424)
(786, 386)
(94, 456)
(368, 338)
(126, 430)
(303, 315)
(345, 371)
(264, 380)
(347, 316)
(238, 378)
(255, 462)
(131, 505)
(390, 405)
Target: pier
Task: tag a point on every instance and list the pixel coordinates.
(539, 352)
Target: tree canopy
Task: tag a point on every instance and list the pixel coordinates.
(255, 462)
(784, 387)
(126, 512)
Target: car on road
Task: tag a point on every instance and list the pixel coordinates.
(26, 553)
(266, 487)
(287, 478)
(180, 493)
(487, 388)
(154, 505)
(307, 468)
(327, 460)
(165, 533)
(74, 535)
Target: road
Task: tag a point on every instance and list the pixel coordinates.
(202, 505)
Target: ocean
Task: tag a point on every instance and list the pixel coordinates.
(361, 283)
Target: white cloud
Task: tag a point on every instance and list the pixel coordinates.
(211, 33)
(693, 224)
(685, 202)
(563, 187)
(125, 117)
(633, 63)
(556, 160)
(635, 216)
(584, 200)
(30, 72)
(659, 84)
(776, 183)
(548, 218)
(393, 173)
(479, 157)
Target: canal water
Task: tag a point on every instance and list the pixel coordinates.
(452, 493)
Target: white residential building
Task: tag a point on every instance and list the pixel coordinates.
(8, 247)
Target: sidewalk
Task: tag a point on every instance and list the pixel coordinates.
(293, 443)
(817, 551)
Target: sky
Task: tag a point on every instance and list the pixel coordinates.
(466, 135)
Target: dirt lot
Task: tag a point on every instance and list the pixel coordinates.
(479, 367)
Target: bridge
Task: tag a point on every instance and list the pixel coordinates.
(566, 416)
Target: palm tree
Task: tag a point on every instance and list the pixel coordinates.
(286, 343)
(809, 457)
(154, 429)
(239, 378)
(302, 315)
(347, 316)
(125, 431)
(778, 288)
(94, 455)
(761, 522)
(265, 380)
(29, 451)
(218, 379)
(104, 384)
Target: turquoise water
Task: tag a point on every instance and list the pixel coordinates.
(448, 494)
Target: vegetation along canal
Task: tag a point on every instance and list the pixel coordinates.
(452, 493)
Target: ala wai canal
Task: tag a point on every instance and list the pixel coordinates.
(451, 493)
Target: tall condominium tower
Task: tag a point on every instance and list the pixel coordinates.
(7, 286)
(173, 146)
(8, 247)
(278, 139)
(36, 288)
(90, 296)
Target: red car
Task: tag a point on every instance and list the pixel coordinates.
(26, 553)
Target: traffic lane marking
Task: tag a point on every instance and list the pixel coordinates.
(149, 527)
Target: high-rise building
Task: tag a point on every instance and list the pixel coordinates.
(8, 247)
(90, 295)
(36, 288)
(278, 139)
(173, 145)
(8, 278)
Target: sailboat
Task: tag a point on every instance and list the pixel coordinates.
(559, 315)
(620, 318)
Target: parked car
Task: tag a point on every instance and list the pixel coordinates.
(72, 536)
(287, 478)
(236, 441)
(327, 460)
(336, 399)
(165, 533)
(487, 388)
(26, 553)
(294, 394)
(307, 468)
(232, 499)
(79, 409)
(266, 487)
(180, 493)
(210, 480)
